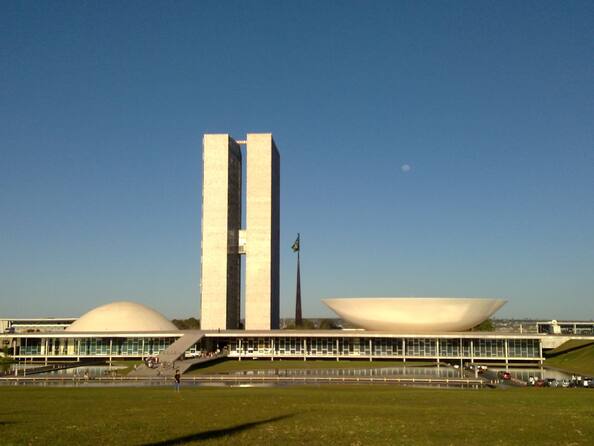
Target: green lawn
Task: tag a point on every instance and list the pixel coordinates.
(312, 415)
(128, 364)
(569, 345)
(233, 365)
(580, 360)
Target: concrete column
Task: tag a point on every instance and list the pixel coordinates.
(403, 350)
(370, 350)
(240, 348)
(110, 350)
(472, 351)
(506, 355)
(437, 353)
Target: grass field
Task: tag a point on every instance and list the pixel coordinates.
(129, 366)
(580, 360)
(570, 345)
(326, 415)
(233, 365)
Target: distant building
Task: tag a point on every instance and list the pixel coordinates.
(30, 325)
(584, 328)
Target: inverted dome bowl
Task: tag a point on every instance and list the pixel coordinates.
(414, 314)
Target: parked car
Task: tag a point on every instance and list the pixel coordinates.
(504, 375)
(551, 382)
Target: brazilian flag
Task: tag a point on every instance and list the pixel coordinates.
(295, 246)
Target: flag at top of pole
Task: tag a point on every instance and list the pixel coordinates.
(298, 317)
(295, 246)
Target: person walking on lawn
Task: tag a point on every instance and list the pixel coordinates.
(177, 378)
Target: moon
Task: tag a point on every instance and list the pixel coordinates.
(405, 168)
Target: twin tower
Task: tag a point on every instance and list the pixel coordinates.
(224, 239)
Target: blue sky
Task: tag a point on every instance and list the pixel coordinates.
(103, 106)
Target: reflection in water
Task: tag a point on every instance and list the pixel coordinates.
(92, 371)
(425, 372)
(9, 369)
(78, 374)
(524, 374)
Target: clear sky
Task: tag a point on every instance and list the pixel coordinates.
(427, 148)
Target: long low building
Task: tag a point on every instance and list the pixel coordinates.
(28, 325)
(279, 344)
(128, 330)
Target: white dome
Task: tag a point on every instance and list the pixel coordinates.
(414, 314)
(122, 316)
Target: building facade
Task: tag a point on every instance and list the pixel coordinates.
(583, 328)
(286, 344)
(224, 240)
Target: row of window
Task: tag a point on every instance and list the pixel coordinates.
(263, 346)
(93, 346)
(414, 347)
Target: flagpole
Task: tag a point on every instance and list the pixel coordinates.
(298, 315)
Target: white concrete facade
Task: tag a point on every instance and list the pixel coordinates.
(223, 239)
(414, 314)
(220, 284)
(262, 225)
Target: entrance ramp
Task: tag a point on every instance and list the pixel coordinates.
(171, 358)
(177, 350)
(184, 365)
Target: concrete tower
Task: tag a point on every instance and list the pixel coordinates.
(223, 240)
(220, 284)
(262, 238)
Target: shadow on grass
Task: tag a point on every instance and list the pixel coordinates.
(216, 433)
(4, 423)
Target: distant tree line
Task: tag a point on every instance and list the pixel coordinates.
(308, 324)
(484, 326)
(313, 324)
(187, 324)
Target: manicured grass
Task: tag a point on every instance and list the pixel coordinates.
(580, 360)
(569, 345)
(233, 365)
(325, 415)
(128, 364)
